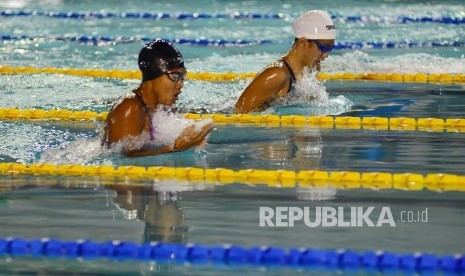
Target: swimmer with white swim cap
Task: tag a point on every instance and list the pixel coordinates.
(163, 73)
(314, 38)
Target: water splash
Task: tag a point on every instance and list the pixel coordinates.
(309, 88)
(310, 94)
(80, 151)
(167, 124)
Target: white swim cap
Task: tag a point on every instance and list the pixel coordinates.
(314, 25)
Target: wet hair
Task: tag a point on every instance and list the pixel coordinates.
(158, 57)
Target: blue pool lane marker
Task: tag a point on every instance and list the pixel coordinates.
(312, 259)
(234, 15)
(95, 40)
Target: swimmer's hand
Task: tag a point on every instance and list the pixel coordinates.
(193, 136)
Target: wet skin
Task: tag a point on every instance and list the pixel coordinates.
(130, 118)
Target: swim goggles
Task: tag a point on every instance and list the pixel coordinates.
(323, 48)
(176, 76)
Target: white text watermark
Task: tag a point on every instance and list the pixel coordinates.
(325, 216)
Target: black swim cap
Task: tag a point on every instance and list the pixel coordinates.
(158, 57)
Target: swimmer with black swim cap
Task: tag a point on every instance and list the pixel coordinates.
(314, 33)
(163, 74)
(157, 58)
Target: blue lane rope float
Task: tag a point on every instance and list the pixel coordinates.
(97, 40)
(233, 255)
(233, 15)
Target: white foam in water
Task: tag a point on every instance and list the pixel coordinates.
(80, 151)
(311, 92)
(168, 127)
(309, 88)
(358, 61)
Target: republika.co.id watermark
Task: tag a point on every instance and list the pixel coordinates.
(325, 216)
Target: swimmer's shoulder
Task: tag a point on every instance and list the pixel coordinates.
(127, 106)
(276, 68)
(275, 71)
(276, 64)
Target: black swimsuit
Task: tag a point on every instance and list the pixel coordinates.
(152, 129)
(293, 79)
(279, 63)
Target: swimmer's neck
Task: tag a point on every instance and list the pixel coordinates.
(147, 101)
(293, 62)
(295, 59)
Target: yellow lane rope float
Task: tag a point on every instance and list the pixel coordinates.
(232, 76)
(272, 178)
(368, 123)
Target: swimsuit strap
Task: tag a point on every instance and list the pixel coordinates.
(293, 79)
(152, 130)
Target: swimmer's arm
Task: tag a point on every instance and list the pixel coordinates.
(135, 153)
(264, 86)
(189, 138)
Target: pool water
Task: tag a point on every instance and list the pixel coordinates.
(189, 211)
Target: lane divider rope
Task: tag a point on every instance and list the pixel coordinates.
(102, 40)
(327, 122)
(233, 255)
(233, 15)
(438, 182)
(125, 74)
(233, 76)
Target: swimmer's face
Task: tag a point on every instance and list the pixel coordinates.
(318, 51)
(170, 85)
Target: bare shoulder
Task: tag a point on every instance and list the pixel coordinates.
(126, 107)
(275, 71)
(271, 82)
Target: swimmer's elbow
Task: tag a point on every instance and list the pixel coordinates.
(242, 108)
(147, 152)
(238, 110)
(134, 153)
